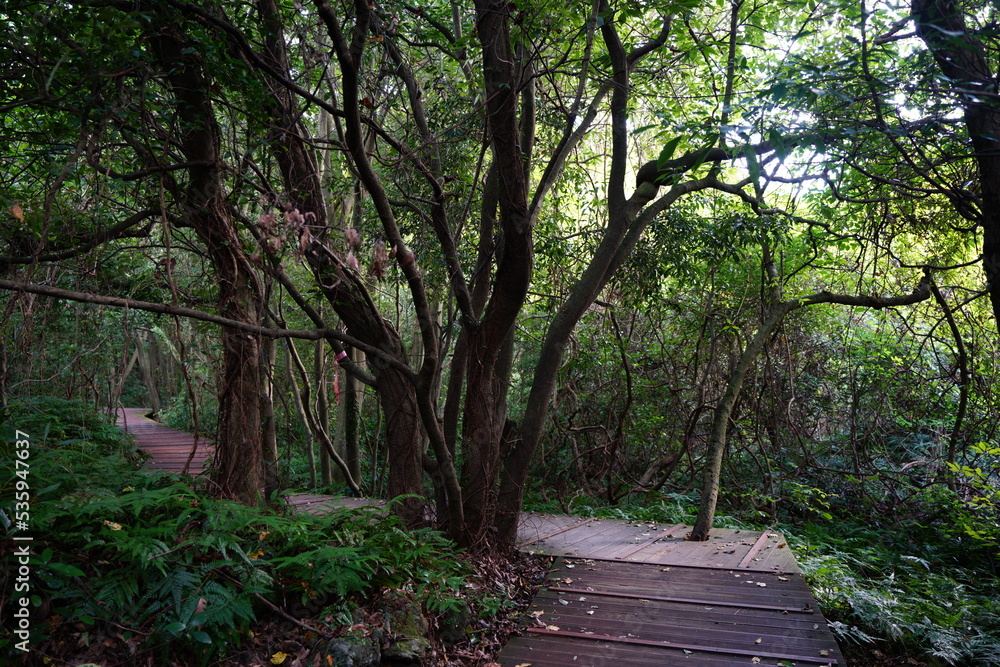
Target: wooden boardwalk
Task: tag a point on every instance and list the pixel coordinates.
(168, 448)
(638, 593)
(645, 542)
(622, 593)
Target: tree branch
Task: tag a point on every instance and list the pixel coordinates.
(142, 173)
(166, 309)
(99, 238)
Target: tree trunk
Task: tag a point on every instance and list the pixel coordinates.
(269, 425)
(341, 285)
(352, 394)
(720, 422)
(963, 60)
(300, 407)
(147, 356)
(237, 471)
(322, 408)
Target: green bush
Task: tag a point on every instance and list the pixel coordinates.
(177, 414)
(878, 593)
(60, 422)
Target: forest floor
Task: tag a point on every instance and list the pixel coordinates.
(278, 640)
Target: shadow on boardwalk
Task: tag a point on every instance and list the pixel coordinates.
(621, 593)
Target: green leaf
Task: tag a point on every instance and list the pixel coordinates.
(667, 151)
(201, 636)
(66, 570)
(640, 130)
(753, 166)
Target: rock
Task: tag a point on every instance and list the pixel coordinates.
(407, 650)
(353, 652)
(454, 622)
(408, 628)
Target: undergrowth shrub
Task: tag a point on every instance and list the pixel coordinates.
(150, 561)
(880, 590)
(67, 423)
(177, 414)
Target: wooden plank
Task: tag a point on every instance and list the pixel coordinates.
(552, 651)
(669, 559)
(691, 647)
(636, 544)
(752, 584)
(555, 532)
(755, 548)
(598, 535)
(533, 524)
(742, 604)
(685, 618)
(774, 555)
(702, 613)
(663, 536)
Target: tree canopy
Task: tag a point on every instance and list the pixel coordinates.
(474, 205)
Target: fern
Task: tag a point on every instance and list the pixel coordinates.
(151, 558)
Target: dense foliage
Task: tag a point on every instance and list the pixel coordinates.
(664, 256)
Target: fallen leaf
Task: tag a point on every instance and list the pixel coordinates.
(553, 628)
(278, 658)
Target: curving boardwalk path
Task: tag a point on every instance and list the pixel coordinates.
(168, 449)
(622, 593)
